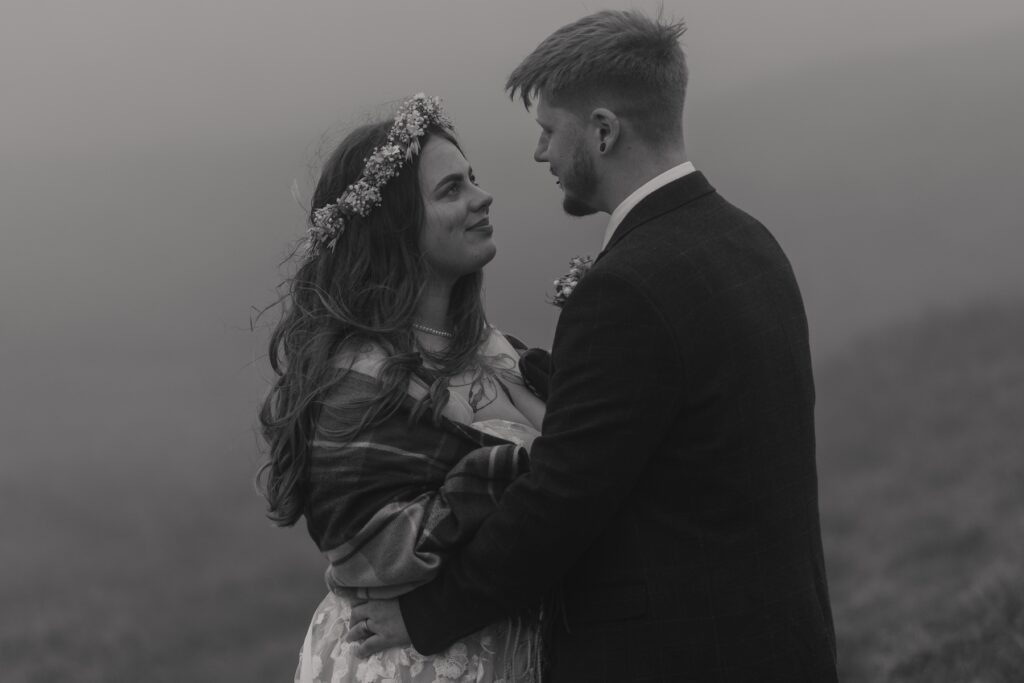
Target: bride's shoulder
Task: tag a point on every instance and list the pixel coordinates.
(361, 356)
(500, 352)
(498, 342)
(364, 361)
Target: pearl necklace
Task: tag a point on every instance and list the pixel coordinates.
(431, 330)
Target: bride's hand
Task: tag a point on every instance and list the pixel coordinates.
(377, 625)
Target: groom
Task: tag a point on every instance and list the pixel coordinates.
(672, 498)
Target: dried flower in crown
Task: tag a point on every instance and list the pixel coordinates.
(564, 286)
(412, 120)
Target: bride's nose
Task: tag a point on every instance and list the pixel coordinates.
(484, 199)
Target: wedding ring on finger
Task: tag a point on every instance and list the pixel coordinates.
(364, 629)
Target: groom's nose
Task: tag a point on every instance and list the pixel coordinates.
(540, 154)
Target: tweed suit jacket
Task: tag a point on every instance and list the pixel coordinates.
(672, 497)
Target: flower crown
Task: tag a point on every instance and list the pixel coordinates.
(412, 119)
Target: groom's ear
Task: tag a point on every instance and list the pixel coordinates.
(606, 129)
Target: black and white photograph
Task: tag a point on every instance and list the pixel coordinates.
(479, 341)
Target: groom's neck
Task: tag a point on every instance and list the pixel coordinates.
(629, 171)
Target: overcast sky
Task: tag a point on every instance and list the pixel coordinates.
(148, 150)
(83, 77)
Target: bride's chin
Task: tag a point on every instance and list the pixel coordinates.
(488, 255)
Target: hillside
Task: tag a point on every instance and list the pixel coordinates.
(891, 180)
(921, 456)
(159, 562)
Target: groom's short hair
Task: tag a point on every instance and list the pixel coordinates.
(622, 60)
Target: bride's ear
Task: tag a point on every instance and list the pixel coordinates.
(607, 129)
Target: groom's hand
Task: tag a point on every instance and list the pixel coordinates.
(377, 625)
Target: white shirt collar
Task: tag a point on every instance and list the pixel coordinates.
(627, 205)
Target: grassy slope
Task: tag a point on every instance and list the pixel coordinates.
(921, 453)
(134, 546)
(158, 565)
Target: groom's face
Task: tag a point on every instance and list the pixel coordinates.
(561, 146)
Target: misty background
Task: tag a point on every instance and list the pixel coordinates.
(148, 154)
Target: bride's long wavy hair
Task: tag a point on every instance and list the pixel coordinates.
(363, 292)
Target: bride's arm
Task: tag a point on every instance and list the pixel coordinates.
(386, 505)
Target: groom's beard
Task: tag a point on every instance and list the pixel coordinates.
(579, 184)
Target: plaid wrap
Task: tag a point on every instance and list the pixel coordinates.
(387, 505)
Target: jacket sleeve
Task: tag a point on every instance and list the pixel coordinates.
(615, 389)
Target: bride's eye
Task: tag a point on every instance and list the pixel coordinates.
(472, 179)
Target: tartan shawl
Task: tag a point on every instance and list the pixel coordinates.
(387, 505)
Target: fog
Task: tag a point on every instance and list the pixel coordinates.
(148, 153)
(155, 162)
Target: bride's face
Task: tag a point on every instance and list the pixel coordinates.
(456, 237)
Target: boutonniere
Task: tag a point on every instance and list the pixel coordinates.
(564, 286)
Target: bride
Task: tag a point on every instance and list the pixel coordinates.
(398, 415)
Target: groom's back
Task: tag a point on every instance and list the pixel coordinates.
(714, 564)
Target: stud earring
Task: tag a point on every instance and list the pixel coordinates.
(602, 147)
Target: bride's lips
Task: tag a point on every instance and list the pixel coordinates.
(483, 225)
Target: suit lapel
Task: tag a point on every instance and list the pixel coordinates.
(661, 201)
